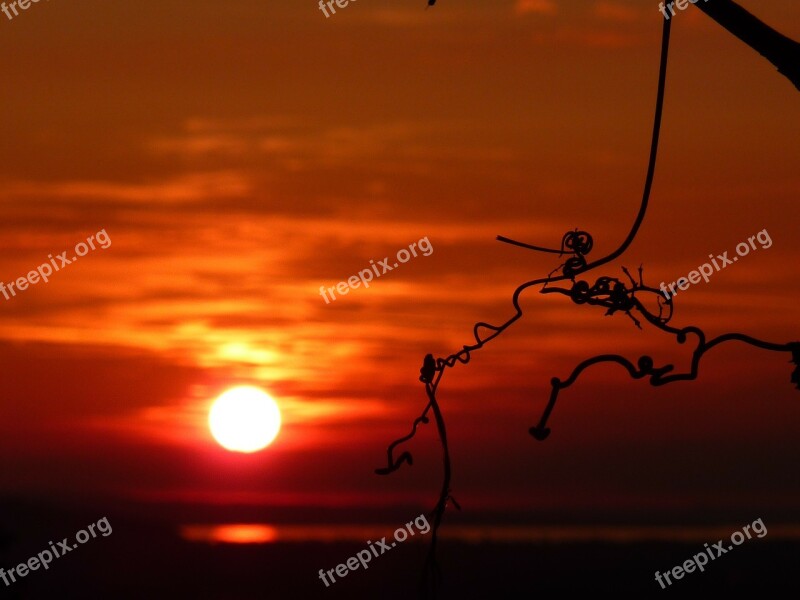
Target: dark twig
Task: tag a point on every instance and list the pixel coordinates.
(781, 51)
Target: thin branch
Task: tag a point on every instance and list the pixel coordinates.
(781, 51)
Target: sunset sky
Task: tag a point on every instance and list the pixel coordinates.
(241, 155)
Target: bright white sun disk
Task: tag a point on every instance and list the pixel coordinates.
(244, 419)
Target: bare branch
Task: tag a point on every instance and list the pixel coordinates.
(781, 51)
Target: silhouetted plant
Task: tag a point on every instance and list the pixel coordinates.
(611, 293)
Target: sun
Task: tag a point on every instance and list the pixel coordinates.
(244, 419)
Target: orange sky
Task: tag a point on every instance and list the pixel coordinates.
(241, 156)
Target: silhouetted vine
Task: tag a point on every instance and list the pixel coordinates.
(611, 293)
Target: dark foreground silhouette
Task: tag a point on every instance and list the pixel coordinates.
(611, 293)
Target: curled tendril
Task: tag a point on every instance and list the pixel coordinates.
(580, 292)
(428, 369)
(602, 286)
(573, 266)
(391, 464)
(577, 242)
(619, 298)
(795, 348)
